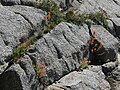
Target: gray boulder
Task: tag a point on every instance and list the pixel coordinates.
(86, 80)
(111, 8)
(20, 76)
(17, 24)
(107, 68)
(116, 22)
(14, 79)
(32, 15)
(61, 50)
(109, 43)
(12, 28)
(17, 2)
(116, 73)
(111, 28)
(27, 65)
(65, 46)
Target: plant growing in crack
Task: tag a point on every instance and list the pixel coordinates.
(84, 63)
(41, 72)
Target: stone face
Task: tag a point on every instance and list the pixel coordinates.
(19, 76)
(17, 2)
(12, 28)
(116, 73)
(14, 79)
(17, 23)
(62, 49)
(108, 67)
(111, 28)
(32, 15)
(116, 22)
(85, 80)
(27, 65)
(109, 42)
(111, 8)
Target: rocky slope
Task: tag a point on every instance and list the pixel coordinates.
(60, 50)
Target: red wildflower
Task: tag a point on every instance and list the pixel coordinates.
(19, 42)
(38, 71)
(85, 59)
(25, 44)
(49, 15)
(91, 40)
(41, 74)
(94, 49)
(42, 66)
(30, 46)
(37, 64)
(81, 62)
(43, 71)
(45, 17)
(91, 50)
(18, 46)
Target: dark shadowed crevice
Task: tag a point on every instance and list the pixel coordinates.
(116, 2)
(66, 64)
(116, 28)
(11, 81)
(7, 3)
(59, 53)
(21, 2)
(25, 18)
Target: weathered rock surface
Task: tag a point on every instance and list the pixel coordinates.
(61, 50)
(107, 68)
(14, 79)
(110, 45)
(17, 2)
(20, 76)
(85, 80)
(110, 7)
(116, 73)
(116, 22)
(64, 47)
(16, 23)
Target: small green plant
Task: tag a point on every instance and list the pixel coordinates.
(46, 31)
(41, 72)
(21, 49)
(99, 18)
(84, 63)
(40, 34)
(110, 80)
(54, 15)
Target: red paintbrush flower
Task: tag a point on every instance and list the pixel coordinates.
(37, 64)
